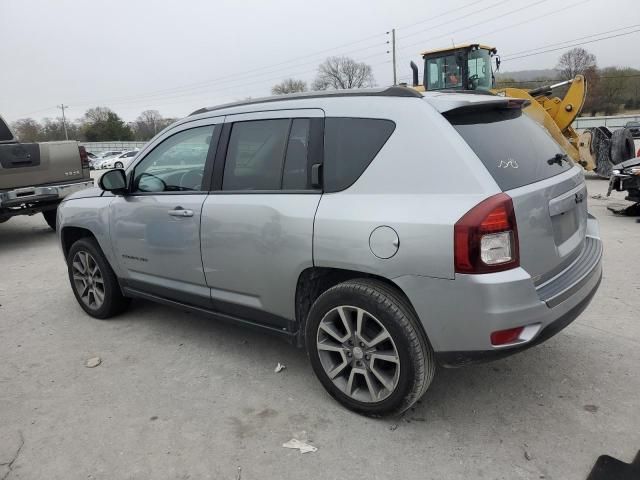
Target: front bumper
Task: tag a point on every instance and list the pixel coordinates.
(45, 193)
(460, 315)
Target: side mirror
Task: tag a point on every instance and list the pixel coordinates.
(114, 181)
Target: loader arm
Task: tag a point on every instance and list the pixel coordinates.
(556, 114)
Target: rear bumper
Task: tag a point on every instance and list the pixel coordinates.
(40, 194)
(458, 359)
(460, 315)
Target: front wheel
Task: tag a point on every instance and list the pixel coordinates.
(368, 349)
(93, 281)
(118, 165)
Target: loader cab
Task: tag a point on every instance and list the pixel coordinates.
(466, 67)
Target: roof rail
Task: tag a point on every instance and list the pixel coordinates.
(360, 92)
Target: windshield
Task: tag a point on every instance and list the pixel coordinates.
(479, 68)
(443, 72)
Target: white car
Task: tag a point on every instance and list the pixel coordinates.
(102, 156)
(119, 161)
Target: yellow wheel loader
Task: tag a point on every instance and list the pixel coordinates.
(469, 68)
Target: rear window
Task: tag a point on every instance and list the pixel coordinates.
(350, 144)
(515, 149)
(5, 133)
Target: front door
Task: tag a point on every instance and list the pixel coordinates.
(156, 227)
(257, 223)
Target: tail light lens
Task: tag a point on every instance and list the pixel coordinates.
(486, 237)
(84, 158)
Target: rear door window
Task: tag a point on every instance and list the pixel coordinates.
(255, 155)
(515, 149)
(295, 173)
(350, 145)
(5, 133)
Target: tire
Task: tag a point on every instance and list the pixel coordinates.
(118, 165)
(50, 217)
(106, 284)
(622, 146)
(384, 310)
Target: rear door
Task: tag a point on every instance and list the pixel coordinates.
(257, 223)
(548, 190)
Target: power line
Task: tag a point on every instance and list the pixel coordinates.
(233, 77)
(457, 19)
(546, 14)
(572, 45)
(520, 82)
(443, 14)
(506, 56)
(472, 25)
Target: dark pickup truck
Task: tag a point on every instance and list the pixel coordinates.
(35, 177)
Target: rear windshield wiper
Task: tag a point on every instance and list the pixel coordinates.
(558, 158)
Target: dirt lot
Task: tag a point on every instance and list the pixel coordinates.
(178, 396)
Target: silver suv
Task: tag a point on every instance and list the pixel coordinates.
(385, 230)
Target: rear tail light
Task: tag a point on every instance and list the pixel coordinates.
(486, 237)
(84, 158)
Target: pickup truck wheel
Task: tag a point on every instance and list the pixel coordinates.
(368, 349)
(50, 217)
(93, 281)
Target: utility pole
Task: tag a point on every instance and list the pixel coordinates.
(393, 49)
(62, 106)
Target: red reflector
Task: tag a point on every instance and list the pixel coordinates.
(504, 337)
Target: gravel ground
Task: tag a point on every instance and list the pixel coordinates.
(179, 396)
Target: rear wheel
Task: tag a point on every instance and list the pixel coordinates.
(50, 217)
(367, 348)
(94, 283)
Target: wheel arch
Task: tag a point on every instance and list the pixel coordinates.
(314, 281)
(70, 235)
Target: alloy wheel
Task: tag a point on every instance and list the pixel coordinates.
(358, 354)
(88, 280)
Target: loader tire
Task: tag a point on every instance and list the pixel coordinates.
(622, 146)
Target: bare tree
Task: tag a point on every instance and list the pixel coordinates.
(148, 124)
(342, 73)
(97, 114)
(575, 61)
(289, 85)
(27, 129)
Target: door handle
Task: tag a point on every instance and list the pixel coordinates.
(180, 212)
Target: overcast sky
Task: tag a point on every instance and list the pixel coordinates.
(177, 56)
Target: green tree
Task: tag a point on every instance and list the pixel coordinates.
(102, 124)
(53, 130)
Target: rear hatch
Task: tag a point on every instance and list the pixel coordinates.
(548, 190)
(33, 164)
